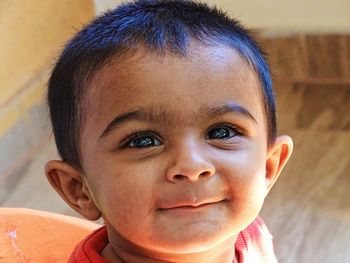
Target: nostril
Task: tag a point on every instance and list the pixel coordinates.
(179, 177)
(205, 174)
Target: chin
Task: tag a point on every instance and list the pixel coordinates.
(188, 241)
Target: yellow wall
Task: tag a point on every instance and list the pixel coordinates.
(32, 32)
(287, 15)
(281, 15)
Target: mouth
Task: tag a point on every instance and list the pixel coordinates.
(191, 210)
(186, 205)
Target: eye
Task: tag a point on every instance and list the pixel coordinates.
(142, 141)
(223, 132)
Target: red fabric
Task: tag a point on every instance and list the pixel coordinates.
(89, 250)
(253, 245)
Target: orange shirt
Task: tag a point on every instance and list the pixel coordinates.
(254, 245)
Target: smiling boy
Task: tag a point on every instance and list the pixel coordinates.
(163, 114)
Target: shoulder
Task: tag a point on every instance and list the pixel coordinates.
(90, 248)
(254, 244)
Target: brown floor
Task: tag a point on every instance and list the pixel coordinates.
(308, 211)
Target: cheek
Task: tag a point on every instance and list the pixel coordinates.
(124, 195)
(126, 209)
(245, 176)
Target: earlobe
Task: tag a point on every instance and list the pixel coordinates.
(70, 185)
(278, 155)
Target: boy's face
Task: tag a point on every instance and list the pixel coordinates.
(174, 149)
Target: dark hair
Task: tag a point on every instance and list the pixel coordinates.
(160, 25)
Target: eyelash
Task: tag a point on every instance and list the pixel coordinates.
(234, 132)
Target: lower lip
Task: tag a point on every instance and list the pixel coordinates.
(188, 210)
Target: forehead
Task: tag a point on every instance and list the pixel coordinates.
(182, 84)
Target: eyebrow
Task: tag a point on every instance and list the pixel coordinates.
(228, 108)
(162, 115)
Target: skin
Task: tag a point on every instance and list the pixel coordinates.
(204, 171)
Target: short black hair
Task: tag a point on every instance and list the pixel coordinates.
(160, 25)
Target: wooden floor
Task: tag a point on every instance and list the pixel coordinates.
(308, 211)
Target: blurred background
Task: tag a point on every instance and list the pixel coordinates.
(308, 45)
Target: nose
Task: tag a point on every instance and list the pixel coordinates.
(190, 162)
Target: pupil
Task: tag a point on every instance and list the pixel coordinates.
(220, 133)
(144, 142)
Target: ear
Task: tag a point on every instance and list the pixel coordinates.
(70, 184)
(277, 157)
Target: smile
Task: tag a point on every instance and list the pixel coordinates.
(188, 207)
